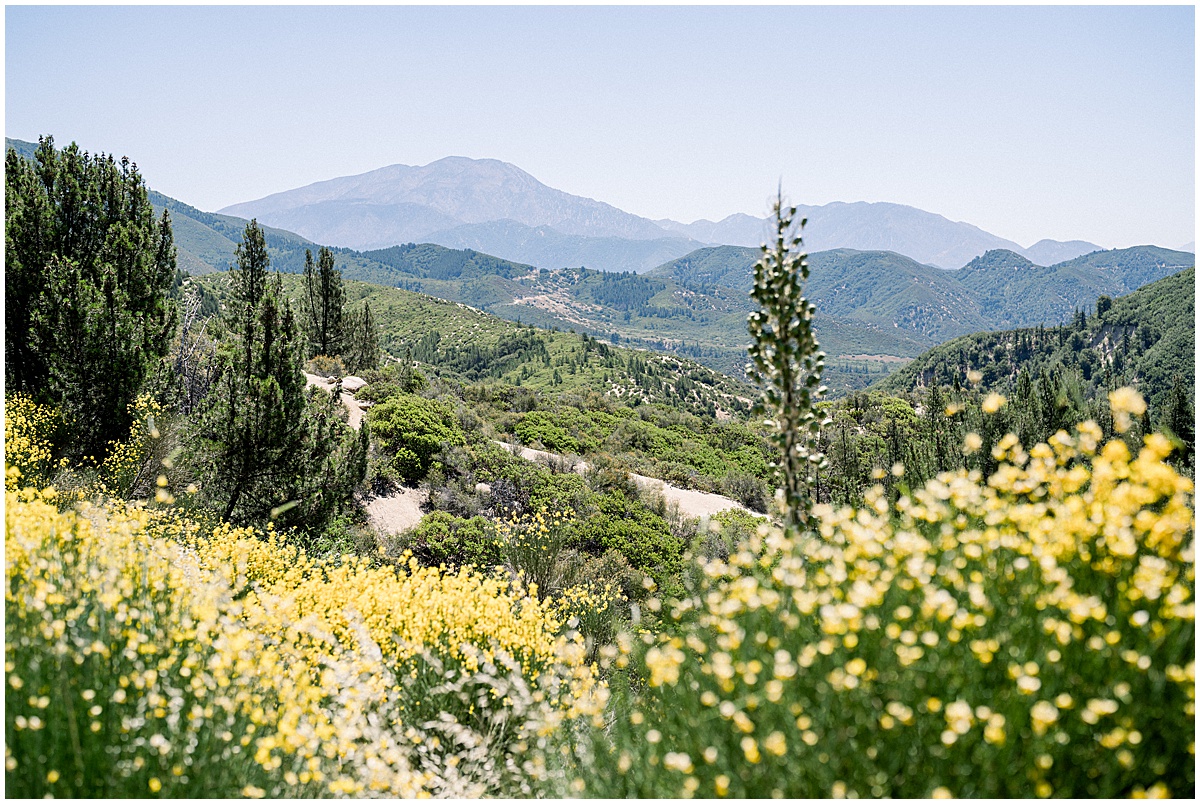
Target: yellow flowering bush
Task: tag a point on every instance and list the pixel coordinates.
(28, 435)
(146, 654)
(128, 671)
(1031, 634)
(28, 428)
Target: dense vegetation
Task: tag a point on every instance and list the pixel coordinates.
(971, 588)
(87, 268)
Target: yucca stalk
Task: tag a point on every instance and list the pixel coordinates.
(787, 361)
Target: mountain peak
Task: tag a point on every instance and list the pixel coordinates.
(456, 190)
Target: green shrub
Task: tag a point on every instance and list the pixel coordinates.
(746, 489)
(325, 366)
(536, 427)
(444, 539)
(411, 430)
(616, 522)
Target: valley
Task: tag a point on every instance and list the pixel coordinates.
(520, 550)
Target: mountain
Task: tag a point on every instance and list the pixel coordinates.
(479, 204)
(547, 247)
(998, 289)
(738, 229)
(493, 206)
(24, 149)
(1049, 252)
(1146, 338)
(1013, 292)
(922, 236)
(462, 189)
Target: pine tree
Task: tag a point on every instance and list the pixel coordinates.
(362, 352)
(321, 305)
(87, 272)
(1179, 419)
(250, 418)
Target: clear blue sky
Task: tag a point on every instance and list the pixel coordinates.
(1063, 122)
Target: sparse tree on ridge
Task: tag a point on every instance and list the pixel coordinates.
(321, 305)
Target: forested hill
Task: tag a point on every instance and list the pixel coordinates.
(1146, 339)
(998, 289)
(1013, 292)
(462, 343)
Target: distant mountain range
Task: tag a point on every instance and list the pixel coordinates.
(497, 208)
(876, 308)
(999, 289)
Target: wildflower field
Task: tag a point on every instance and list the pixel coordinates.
(1031, 633)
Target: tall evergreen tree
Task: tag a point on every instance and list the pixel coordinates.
(362, 352)
(272, 451)
(1179, 419)
(321, 305)
(87, 274)
(251, 416)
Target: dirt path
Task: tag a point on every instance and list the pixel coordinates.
(352, 405)
(390, 513)
(396, 512)
(691, 503)
(401, 510)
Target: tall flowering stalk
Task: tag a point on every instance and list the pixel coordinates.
(787, 361)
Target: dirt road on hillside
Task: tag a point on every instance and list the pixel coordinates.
(401, 510)
(691, 503)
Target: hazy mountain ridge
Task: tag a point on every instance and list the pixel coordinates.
(996, 290)
(458, 202)
(546, 247)
(468, 191)
(881, 226)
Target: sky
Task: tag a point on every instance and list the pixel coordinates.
(1029, 122)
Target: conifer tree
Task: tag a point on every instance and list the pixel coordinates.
(321, 305)
(363, 348)
(1179, 419)
(252, 412)
(87, 275)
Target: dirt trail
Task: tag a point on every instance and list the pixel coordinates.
(352, 405)
(691, 503)
(401, 510)
(396, 512)
(390, 513)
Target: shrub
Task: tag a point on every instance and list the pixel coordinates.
(147, 655)
(28, 438)
(616, 522)
(537, 427)
(411, 430)
(1028, 635)
(324, 366)
(745, 489)
(444, 539)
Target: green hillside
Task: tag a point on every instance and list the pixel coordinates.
(1146, 339)
(460, 342)
(900, 297)
(1013, 292)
